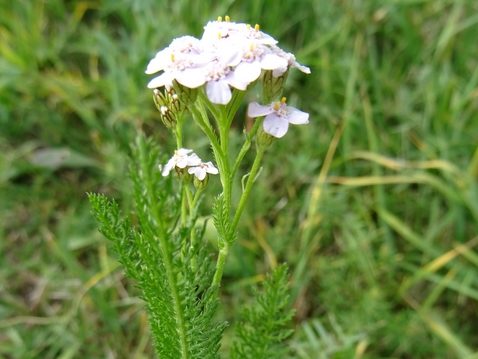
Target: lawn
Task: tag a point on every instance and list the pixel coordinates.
(374, 204)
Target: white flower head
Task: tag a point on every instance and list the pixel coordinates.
(228, 55)
(202, 169)
(278, 116)
(182, 158)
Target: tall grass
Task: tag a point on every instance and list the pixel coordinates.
(378, 208)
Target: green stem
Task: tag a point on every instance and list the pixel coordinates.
(167, 260)
(246, 146)
(247, 190)
(184, 210)
(221, 260)
(178, 130)
(226, 178)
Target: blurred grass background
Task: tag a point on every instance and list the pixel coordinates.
(374, 204)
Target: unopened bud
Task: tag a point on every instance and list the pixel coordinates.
(186, 94)
(198, 184)
(272, 87)
(263, 139)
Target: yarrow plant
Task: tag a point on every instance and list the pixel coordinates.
(204, 81)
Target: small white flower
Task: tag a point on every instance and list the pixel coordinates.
(278, 116)
(182, 158)
(183, 60)
(201, 170)
(257, 57)
(220, 75)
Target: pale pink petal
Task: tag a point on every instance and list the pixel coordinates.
(275, 125)
(191, 77)
(218, 92)
(273, 62)
(296, 116)
(248, 71)
(165, 79)
(256, 110)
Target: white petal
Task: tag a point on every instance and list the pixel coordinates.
(236, 82)
(273, 61)
(248, 71)
(296, 116)
(183, 151)
(168, 167)
(193, 160)
(211, 169)
(230, 55)
(154, 66)
(256, 110)
(275, 126)
(199, 172)
(192, 77)
(304, 69)
(158, 62)
(279, 71)
(165, 79)
(218, 92)
(182, 162)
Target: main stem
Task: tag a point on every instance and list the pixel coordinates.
(224, 250)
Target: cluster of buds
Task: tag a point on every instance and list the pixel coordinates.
(169, 106)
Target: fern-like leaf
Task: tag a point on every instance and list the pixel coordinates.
(222, 220)
(265, 325)
(172, 272)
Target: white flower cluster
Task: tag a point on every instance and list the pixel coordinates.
(228, 55)
(186, 158)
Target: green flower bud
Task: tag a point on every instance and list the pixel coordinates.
(272, 87)
(263, 138)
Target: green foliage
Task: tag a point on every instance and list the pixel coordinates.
(399, 76)
(173, 273)
(265, 324)
(222, 220)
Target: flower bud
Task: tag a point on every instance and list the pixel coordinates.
(186, 94)
(272, 87)
(263, 138)
(167, 109)
(198, 184)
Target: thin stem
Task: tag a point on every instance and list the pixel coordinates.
(247, 190)
(178, 131)
(197, 197)
(184, 209)
(221, 260)
(225, 173)
(246, 146)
